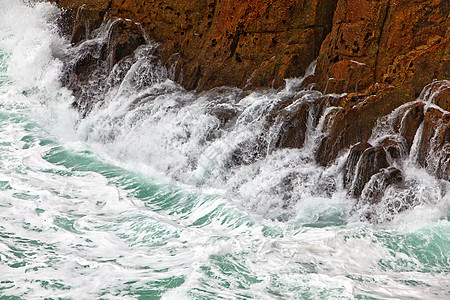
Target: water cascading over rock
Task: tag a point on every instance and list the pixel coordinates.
(380, 122)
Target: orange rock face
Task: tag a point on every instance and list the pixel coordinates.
(259, 43)
(236, 43)
(434, 146)
(381, 53)
(398, 42)
(386, 52)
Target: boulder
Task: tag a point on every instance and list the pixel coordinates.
(125, 37)
(439, 94)
(80, 18)
(375, 188)
(372, 160)
(434, 148)
(87, 70)
(352, 161)
(394, 148)
(293, 126)
(410, 123)
(355, 121)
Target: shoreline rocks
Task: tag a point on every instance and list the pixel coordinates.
(374, 59)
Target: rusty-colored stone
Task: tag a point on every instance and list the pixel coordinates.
(380, 52)
(434, 149)
(235, 43)
(372, 160)
(411, 122)
(402, 43)
(354, 123)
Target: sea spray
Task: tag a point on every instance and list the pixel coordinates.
(141, 199)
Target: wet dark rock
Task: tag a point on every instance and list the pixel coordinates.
(443, 168)
(223, 103)
(372, 160)
(326, 186)
(249, 152)
(224, 112)
(396, 149)
(443, 99)
(352, 161)
(435, 143)
(286, 189)
(97, 65)
(291, 115)
(379, 182)
(353, 123)
(411, 122)
(85, 21)
(439, 94)
(434, 147)
(293, 126)
(125, 37)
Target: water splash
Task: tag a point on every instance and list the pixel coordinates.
(143, 197)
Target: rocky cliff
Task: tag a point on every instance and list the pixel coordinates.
(212, 43)
(374, 57)
(382, 53)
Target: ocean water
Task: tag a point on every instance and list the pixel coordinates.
(144, 198)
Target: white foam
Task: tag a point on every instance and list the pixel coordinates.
(107, 227)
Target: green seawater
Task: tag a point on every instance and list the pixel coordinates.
(69, 214)
(78, 222)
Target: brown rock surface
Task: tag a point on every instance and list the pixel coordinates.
(367, 169)
(399, 42)
(396, 45)
(372, 160)
(394, 148)
(238, 43)
(411, 122)
(381, 52)
(434, 149)
(439, 93)
(354, 123)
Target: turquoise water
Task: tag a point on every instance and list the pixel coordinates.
(81, 220)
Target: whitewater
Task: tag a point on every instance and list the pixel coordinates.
(144, 198)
